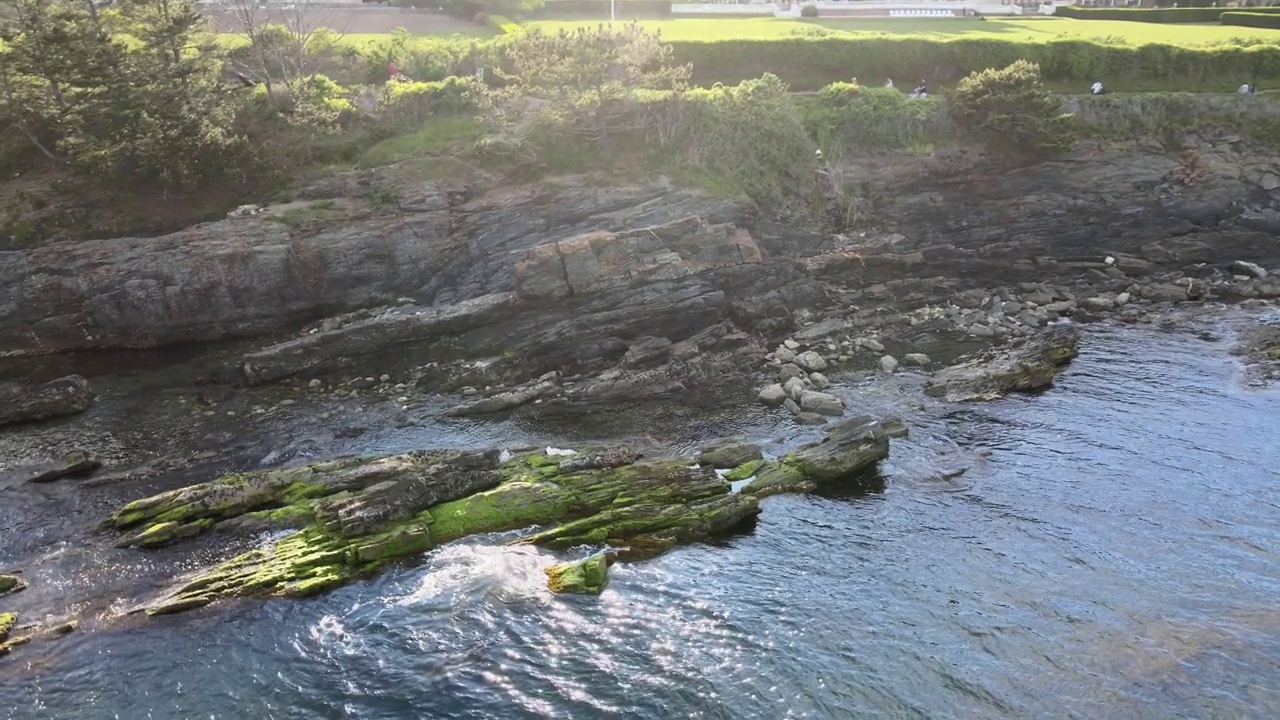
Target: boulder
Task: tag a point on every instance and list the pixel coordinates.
(728, 453)
(915, 359)
(784, 355)
(772, 394)
(25, 403)
(793, 388)
(811, 361)
(789, 371)
(849, 448)
(1164, 292)
(1030, 364)
(1243, 267)
(587, 576)
(821, 403)
(73, 464)
(820, 381)
(889, 364)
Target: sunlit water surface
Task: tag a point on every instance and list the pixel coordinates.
(1111, 552)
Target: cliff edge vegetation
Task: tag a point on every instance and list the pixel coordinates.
(140, 123)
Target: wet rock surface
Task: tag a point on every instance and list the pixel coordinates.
(20, 402)
(479, 303)
(358, 514)
(1028, 365)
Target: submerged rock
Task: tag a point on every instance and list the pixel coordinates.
(11, 584)
(850, 447)
(821, 403)
(1028, 365)
(729, 453)
(25, 403)
(506, 400)
(7, 622)
(583, 577)
(73, 464)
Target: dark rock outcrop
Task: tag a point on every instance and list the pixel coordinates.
(74, 464)
(851, 447)
(57, 398)
(1029, 365)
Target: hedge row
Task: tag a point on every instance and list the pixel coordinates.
(577, 9)
(1252, 19)
(1157, 15)
(807, 63)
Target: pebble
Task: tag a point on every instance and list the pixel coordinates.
(791, 344)
(784, 355)
(384, 378)
(916, 359)
(288, 401)
(315, 383)
(871, 344)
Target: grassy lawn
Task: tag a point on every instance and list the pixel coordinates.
(1029, 29)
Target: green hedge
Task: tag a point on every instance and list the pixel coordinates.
(809, 63)
(1155, 15)
(1252, 19)
(578, 9)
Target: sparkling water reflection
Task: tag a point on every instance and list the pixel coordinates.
(1109, 551)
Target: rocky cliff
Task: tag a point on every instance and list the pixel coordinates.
(579, 274)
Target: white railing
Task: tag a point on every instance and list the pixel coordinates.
(912, 12)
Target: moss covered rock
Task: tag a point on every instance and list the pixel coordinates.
(1028, 365)
(6, 624)
(587, 576)
(354, 515)
(604, 497)
(11, 584)
(849, 448)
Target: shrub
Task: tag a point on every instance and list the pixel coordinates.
(1011, 112)
(413, 102)
(845, 117)
(810, 63)
(1251, 19)
(502, 24)
(1156, 15)
(579, 9)
(809, 11)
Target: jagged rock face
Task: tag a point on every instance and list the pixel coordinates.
(582, 273)
(250, 276)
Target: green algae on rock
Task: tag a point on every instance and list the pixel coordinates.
(352, 516)
(7, 621)
(587, 576)
(850, 447)
(11, 584)
(351, 495)
(1029, 365)
(604, 497)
